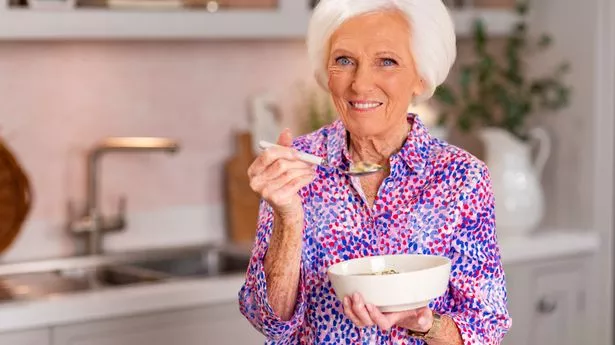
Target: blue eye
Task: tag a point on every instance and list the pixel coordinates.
(342, 60)
(389, 62)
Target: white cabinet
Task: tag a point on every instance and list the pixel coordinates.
(220, 324)
(547, 302)
(29, 337)
(548, 281)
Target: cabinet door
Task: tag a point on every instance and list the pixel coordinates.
(546, 303)
(558, 308)
(30, 337)
(218, 324)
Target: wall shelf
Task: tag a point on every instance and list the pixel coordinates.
(289, 21)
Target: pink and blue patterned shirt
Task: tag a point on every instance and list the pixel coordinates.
(437, 200)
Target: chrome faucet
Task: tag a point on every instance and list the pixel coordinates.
(91, 225)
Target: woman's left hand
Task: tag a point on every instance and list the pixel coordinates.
(366, 315)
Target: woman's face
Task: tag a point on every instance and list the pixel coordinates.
(372, 75)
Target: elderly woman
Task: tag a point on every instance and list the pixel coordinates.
(375, 57)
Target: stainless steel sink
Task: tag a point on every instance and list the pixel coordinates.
(197, 264)
(45, 284)
(42, 279)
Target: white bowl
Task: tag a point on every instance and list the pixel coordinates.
(420, 279)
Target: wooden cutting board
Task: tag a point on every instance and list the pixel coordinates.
(15, 197)
(241, 202)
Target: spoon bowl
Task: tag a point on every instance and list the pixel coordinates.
(356, 169)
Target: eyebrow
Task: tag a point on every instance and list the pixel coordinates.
(389, 53)
(339, 51)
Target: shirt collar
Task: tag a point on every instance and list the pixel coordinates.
(337, 146)
(414, 153)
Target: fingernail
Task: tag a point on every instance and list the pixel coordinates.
(422, 321)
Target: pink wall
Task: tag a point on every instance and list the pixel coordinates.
(59, 98)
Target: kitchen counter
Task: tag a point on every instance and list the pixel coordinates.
(116, 302)
(130, 300)
(547, 245)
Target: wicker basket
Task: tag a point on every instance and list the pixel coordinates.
(15, 197)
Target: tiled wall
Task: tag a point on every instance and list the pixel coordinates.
(58, 99)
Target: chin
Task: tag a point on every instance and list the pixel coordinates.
(366, 128)
(365, 123)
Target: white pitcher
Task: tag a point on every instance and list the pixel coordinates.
(515, 176)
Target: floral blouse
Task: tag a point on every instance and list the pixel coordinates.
(437, 200)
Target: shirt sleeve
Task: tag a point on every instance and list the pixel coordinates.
(253, 300)
(478, 291)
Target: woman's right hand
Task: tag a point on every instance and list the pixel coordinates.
(277, 175)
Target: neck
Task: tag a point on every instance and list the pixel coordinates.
(379, 148)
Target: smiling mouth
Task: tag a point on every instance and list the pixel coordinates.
(364, 105)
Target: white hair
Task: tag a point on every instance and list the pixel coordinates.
(432, 38)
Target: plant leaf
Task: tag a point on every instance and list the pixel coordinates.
(465, 80)
(445, 95)
(480, 36)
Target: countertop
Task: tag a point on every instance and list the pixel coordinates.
(117, 302)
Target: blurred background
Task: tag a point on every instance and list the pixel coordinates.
(126, 128)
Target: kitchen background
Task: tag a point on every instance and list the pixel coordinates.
(62, 95)
(195, 92)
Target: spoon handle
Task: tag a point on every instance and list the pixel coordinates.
(305, 157)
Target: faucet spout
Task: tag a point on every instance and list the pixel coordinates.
(136, 144)
(120, 144)
(93, 223)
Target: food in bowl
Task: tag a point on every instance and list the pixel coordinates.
(385, 272)
(393, 282)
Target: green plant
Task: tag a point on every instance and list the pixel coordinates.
(500, 93)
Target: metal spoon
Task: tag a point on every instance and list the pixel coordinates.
(356, 169)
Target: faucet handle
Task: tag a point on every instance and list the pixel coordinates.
(92, 221)
(76, 222)
(117, 222)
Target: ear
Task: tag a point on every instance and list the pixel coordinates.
(420, 87)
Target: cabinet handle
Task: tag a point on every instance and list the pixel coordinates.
(546, 306)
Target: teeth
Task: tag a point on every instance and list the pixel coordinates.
(365, 105)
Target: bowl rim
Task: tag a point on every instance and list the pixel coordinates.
(447, 262)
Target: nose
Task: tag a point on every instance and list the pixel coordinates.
(363, 81)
